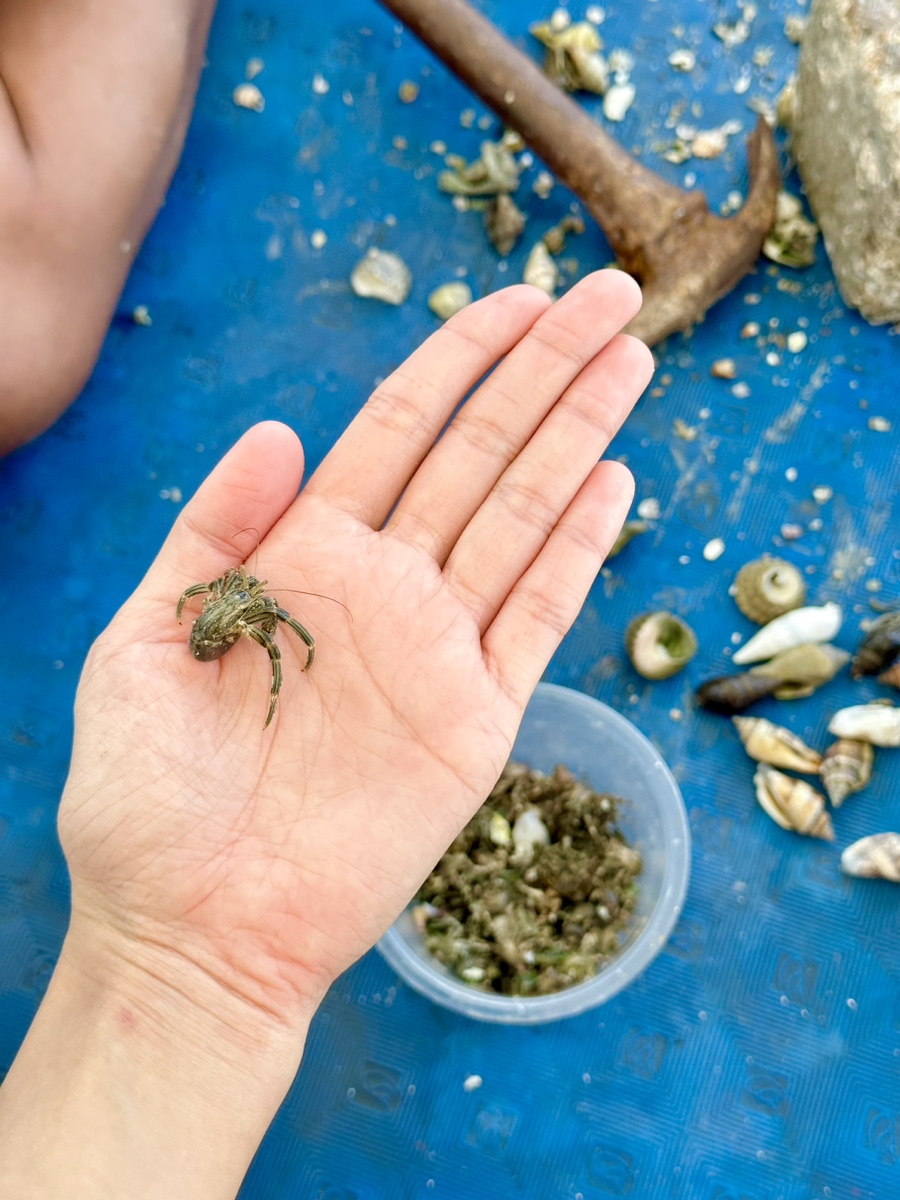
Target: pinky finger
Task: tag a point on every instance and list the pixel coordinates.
(543, 605)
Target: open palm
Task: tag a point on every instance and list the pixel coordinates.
(444, 571)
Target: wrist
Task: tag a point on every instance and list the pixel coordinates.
(141, 1072)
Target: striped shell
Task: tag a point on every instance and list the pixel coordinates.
(874, 857)
(773, 744)
(846, 768)
(792, 803)
(768, 587)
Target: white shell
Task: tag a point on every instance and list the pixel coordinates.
(874, 857)
(809, 624)
(529, 830)
(875, 723)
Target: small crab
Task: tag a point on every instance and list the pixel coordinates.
(236, 606)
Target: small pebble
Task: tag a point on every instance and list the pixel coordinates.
(797, 341)
(750, 330)
(791, 533)
(649, 510)
(248, 95)
(740, 391)
(879, 425)
(408, 91)
(320, 85)
(714, 549)
(822, 494)
(723, 368)
(791, 474)
(318, 238)
(595, 14)
(472, 1083)
(254, 67)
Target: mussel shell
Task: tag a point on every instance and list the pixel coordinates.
(768, 587)
(879, 649)
(730, 694)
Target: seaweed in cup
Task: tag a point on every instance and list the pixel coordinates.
(538, 891)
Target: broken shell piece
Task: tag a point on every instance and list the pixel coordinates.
(879, 648)
(802, 669)
(846, 768)
(777, 746)
(573, 57)
(618, 100)
(495, 171)
(729, 694)
(382, 276)
(248, 95)
(792, 803)
(540, 270)
(659, 644)
(874, 857)
(768, 587)
(792, 241)
(810, 624)
(878, 724)
(449, 299)
(555, 237)
(503, 221)
(629, 530)
(723, 368)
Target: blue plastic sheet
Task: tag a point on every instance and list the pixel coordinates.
(758, 1058)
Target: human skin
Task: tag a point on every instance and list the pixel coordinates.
(224, 874)
(95, 99)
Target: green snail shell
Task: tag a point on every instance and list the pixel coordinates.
(768, 587)
(659, 644)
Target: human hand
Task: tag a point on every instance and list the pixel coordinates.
(269, 859)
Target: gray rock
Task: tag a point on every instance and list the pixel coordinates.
(846, 138)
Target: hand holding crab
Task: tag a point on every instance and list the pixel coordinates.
(222, 875)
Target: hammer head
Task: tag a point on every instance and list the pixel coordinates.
(699, 257)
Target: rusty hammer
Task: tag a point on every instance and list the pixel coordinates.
(684, 257)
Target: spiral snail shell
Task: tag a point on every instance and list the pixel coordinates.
(768, 587)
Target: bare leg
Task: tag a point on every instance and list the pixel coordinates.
(95, 98)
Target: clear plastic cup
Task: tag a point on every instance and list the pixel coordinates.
(602, 747)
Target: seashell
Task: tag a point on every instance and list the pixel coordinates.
(767, 588)
(540, 270)
(792, 803)
(880, 647)
(777, 746)
(659, 644)
(803, 668)
(874, 857)
(503, 222)
(629, 530)
(382, 275)
(846, 767)
(794, 628)
(729, 694)
(878, 724)
(449, 299)
(891, 676)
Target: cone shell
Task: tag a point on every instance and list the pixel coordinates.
(846, 768)
(792, 803)
(878, 724)
(659, 644)
(874, 857)
(880, 647)
(802, 669)
(730, 694)
(768, 587)
(770, 743)
(810, 624)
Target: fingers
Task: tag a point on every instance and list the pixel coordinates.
(232, 511)
(515, 521)
(543, 605)
(376, 457)
(493, 426)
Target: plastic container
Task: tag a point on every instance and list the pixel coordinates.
(599, 745)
